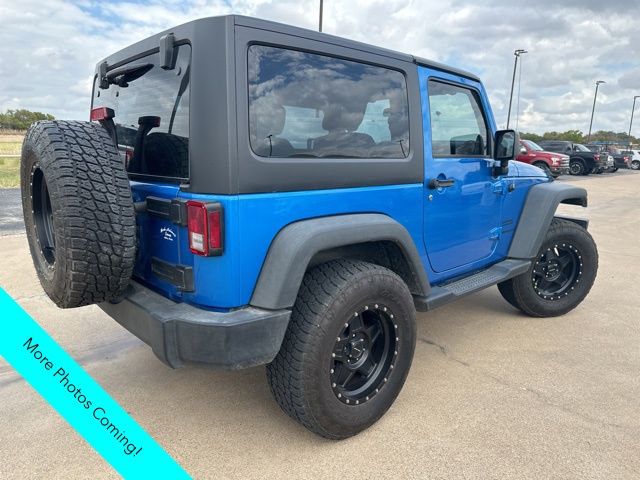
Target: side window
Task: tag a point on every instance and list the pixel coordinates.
(458, 127)
(308, 105)
(375, 121)
(301, 124)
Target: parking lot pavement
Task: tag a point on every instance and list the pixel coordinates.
(11, 217)
(491, 394)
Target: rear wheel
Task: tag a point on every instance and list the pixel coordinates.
(635, 165)
(560, 276)
(347, 350)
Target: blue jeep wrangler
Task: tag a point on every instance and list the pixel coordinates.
(250, 193)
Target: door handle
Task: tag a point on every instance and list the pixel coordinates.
(436, 183)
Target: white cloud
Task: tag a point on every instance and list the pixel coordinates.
(48, 49)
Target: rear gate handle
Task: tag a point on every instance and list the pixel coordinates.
(434, 183)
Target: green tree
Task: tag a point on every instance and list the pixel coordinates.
(570, 135)
(608, 136)
(21, 119)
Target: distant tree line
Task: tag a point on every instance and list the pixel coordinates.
(21, 119)
(578, 137)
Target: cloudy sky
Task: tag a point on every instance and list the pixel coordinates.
(48, 49)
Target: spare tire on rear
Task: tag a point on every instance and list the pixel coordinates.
(78, 212)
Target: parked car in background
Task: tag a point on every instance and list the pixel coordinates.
(634, 158)
(582, 161)
(615, 157)
(555, 164)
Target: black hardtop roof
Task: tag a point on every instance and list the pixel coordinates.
(189, 29)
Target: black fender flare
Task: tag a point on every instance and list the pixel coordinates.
(295, 245)
(538, 212)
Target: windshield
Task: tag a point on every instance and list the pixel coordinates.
(580, 148)
(151, 108)
(532, 145)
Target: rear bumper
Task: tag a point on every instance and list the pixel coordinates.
(179, 333)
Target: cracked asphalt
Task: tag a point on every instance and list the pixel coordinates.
(491, 394)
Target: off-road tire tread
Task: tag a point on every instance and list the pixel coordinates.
(92, 208)
(285, 373)
(519, 296)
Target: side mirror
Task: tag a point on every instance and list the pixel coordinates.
(504, 149)
(523, 150)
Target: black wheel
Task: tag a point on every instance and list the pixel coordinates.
(78, 212)
(576, 167)
(347, 350)
(635, 165)
(560, 277)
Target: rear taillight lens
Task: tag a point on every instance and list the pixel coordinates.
(99, 114)
(204, 224)
(215, 230)
(596, 157)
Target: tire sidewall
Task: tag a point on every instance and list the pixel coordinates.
(374, 288)
(579, 168)
(584, 244)
(49, 275)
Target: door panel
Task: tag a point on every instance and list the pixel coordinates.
(462, 198)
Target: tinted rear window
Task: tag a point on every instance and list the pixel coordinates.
(308, 105)
(158, 96)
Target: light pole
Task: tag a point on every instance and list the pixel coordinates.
(594, 108)
(320, 21)
(517, 53)
(631, 122)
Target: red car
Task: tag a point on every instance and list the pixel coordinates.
(554, 163)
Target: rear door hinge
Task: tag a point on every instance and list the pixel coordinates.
(174, 210)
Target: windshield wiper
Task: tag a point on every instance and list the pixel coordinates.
(123, 75)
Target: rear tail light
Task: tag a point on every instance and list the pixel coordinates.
(100, 114)
(205, 227)
(596, 157)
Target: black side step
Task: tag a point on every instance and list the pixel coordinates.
(443, 294)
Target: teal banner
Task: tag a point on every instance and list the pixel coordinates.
(79, 399)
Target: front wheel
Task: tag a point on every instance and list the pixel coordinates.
(635, 165)
(347, 349)
(576, 167)
(545, 168)
(561, 275)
